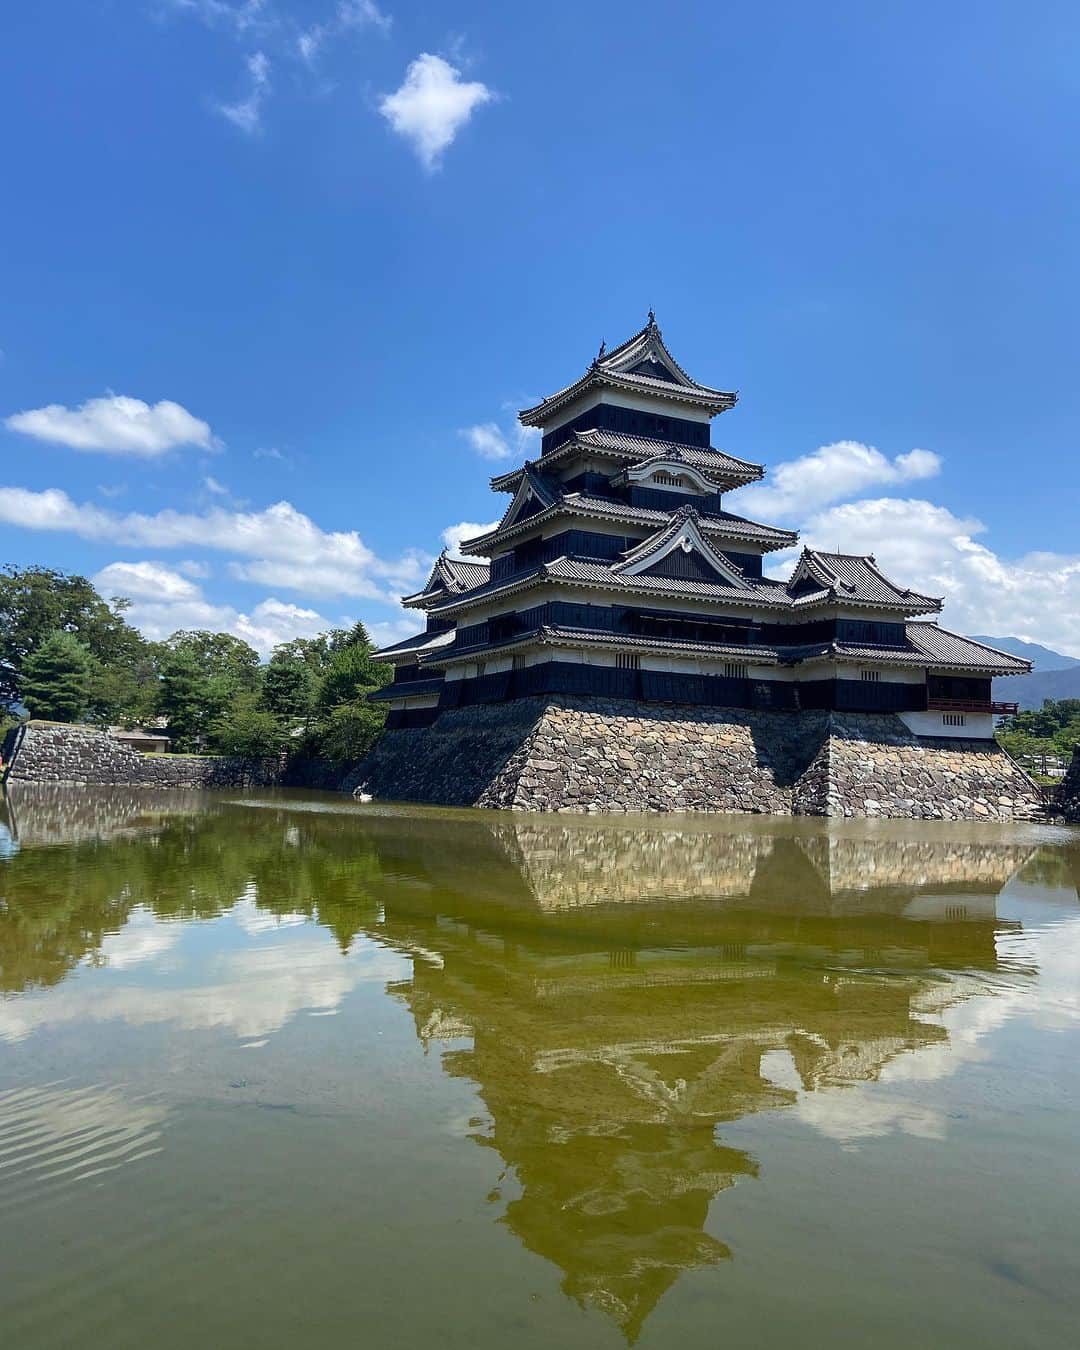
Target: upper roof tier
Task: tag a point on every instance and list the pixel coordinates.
(449, 576)
(641, 365)
(724, 470)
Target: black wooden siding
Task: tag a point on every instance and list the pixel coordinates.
(610, 417)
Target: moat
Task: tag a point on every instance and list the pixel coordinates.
(279, 1070)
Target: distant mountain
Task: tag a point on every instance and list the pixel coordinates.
(1055, 675)
(1043, 658)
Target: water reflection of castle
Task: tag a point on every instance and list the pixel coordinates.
(616, 992)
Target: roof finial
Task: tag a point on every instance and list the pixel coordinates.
(602, 352)
(652, 318)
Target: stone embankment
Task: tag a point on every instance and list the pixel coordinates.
(600, 755)
(54, 752)
(1067, 798)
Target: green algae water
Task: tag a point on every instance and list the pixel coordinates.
(281, 1070)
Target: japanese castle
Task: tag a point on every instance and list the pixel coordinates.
(618, 570)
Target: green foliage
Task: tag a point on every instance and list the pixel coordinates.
(350, 730)
(1042, 734)
(55, 680)
(183, 699)
(348, 725)
(247, 729)
(291, 684)
(69, 654)
(38, 601)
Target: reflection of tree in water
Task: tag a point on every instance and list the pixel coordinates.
(615, 992)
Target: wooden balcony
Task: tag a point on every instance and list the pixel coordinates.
(972, 705)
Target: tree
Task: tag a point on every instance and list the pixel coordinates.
(38, 601)
(350, 731)
(220, 656)
(55, 679)
(184, 698)
(348, 725)
(290, 684)
(249, 730)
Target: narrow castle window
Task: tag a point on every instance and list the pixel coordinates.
(873, 676)
(953, 719)
(627, 661)
(735, 670)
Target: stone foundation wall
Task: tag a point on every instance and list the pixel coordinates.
(600, 755)
(54, 752)
(870, 764)
(1067, 798)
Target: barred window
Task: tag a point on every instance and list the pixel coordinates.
(735, 670)
(953, 719)
(519, 661)
(627, 661)
(873, 676)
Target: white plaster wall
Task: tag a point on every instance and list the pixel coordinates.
(977, 726)
(416, 701)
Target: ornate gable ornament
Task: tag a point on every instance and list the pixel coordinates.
(682, 533)
(641, 364)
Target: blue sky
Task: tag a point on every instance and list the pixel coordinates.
(331, 246)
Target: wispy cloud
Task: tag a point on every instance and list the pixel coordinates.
(246, 113)
(117, 425)
(349, 15)
(432, 105)
(281, 546)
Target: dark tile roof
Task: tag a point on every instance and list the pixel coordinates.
(450, 576)
(854, 579)
(406, 689)
(938, 644)
(618, 369)
(722, 524)
(415, 646)
(625, 446)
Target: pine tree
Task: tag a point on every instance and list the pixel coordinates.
(56, 678)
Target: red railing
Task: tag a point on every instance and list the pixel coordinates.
(973, 705)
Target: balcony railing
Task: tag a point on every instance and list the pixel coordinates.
(973, 705)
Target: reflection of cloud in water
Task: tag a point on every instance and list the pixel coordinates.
(54, 1134)
(255, 921)
(968, 1009)
(255, 993)
(142, 938)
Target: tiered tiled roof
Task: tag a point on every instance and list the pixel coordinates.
(642, 364)
(716, 464)
(449, 576)
(722, 524)
(421, 644)
(850, 578)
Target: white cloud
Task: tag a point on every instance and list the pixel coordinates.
(918, 544)
(464, 529)
(246, 113)
(832, 473)
(212, 485)
(487, 440)
(490, 441)
(432, 105)
(287, 548)
(163, 601)
(144, 580)
(117, 425)
(388, 631)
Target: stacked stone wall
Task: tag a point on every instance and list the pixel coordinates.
(55, 752)
(1067, 798)
(600, 755)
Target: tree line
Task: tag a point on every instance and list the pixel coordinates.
(69, 655)
(1043, 735)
